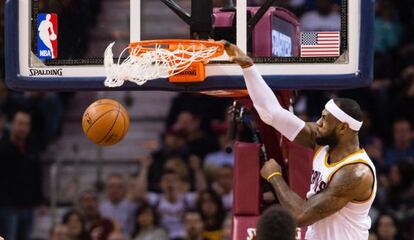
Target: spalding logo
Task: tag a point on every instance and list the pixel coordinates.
(45, 72)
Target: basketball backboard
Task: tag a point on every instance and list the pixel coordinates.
(59, 45)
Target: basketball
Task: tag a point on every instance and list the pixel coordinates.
(105, 122)
(53, 37)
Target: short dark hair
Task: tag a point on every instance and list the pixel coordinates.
(350, 107)
(276, 223)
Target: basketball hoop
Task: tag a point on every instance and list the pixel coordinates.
(180, 60)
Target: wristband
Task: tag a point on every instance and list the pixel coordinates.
(273, 174)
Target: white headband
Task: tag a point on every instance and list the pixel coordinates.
(342, 116)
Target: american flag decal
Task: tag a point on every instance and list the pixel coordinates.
(319, 44)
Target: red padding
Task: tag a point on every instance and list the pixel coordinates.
(300, 168)
(246, 179)
(244, 228)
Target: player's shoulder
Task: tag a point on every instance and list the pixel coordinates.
(353, 175)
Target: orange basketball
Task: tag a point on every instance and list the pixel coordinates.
(105, 122)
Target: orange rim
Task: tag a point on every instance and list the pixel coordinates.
(172, 44)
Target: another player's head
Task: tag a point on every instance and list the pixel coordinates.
(340, 121)
(276, 223)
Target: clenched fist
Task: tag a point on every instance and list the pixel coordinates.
(270, 166)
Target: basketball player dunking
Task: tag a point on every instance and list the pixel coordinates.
(343, 182)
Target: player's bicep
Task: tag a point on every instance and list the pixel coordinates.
(346, 185)
(307, 135)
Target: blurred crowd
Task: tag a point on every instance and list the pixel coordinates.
(183, 190)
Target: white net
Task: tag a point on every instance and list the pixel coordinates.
(145, 64)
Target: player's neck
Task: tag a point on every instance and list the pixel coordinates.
(343, 149)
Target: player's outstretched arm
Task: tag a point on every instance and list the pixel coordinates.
(267, 105)
(349, 183)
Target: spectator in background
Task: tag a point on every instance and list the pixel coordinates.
(223, 156)
(46, 110)
(173, 145)
(207, 108)
(386, 227)
(147, 224)
(403, 142)
(198, 142)
(399, 189)
(59, 232)
(223, 185)
(193, 225)
(324, 18)
(20, 181)
(210, 206)
(171, 203)
(117, 206)
(75, 224)
(388, 31)
(276, 223)
(374, 148)
(97, 226)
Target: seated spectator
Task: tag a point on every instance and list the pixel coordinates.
(147, 224)
(210, 206)
(171, 203)
(117, 206)
(97, 226)
(59, 232)
(193, 225)
(223, 185)
(75, 224)
(173, 145)
(399, 194)
(403, 147)
(386, 227)
(324, 18)
(276, 223)
(198, 142)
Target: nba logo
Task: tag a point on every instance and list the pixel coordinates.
(47, 35)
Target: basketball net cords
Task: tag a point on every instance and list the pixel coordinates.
(145, 64)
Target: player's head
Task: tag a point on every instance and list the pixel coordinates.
(48, 17)
(341, 119)
(276, 223)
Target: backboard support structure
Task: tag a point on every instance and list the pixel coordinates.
(353, 68)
